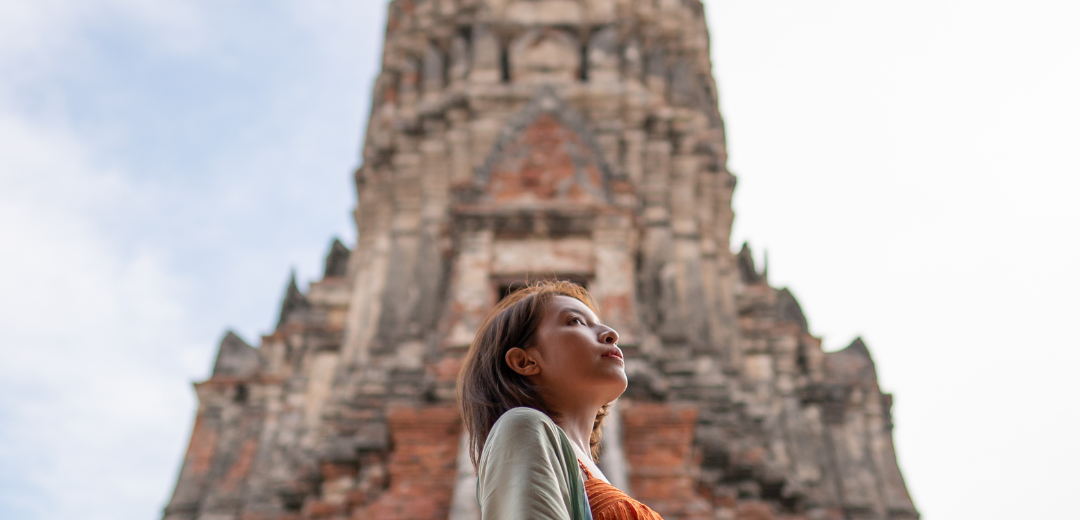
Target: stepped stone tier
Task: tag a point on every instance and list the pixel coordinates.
(511, 140)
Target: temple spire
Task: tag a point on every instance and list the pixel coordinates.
(293, 302)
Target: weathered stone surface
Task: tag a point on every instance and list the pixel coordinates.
(518, 139)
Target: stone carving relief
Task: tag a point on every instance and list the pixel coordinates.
(548, 162)
(544, 155)
(545, 55)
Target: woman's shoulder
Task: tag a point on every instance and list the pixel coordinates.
(523, 415)
(521, 433)
(524, 421)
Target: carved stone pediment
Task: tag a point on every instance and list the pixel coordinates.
(544, 157)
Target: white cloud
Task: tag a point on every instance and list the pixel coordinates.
(90, 337)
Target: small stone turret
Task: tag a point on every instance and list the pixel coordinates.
(235, 358)
(337, 260)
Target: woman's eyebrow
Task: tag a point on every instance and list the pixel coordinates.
(578, 312)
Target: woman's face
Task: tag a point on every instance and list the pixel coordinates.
(578, 356)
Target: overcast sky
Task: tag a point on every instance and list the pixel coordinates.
(911, 168)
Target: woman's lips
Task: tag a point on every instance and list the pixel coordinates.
(613, 353)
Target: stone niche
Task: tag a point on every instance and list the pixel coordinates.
(545, 55)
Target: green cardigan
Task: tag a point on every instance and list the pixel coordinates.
(528, 471)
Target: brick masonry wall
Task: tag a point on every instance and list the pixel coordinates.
(423, 464)
(659, 443)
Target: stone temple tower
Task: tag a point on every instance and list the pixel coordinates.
(513, 140)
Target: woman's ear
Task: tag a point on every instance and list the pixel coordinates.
(521, 362)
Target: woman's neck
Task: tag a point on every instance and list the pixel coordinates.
(578, 425)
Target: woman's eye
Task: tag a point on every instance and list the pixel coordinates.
(577, 320)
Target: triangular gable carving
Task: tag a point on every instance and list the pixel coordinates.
(544, 155)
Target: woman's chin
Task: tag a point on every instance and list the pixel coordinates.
(610, 385)
(618, 386)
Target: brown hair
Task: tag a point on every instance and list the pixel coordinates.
(487, 387)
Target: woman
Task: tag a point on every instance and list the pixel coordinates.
(535, 387)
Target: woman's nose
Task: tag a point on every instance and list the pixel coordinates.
(609, 336)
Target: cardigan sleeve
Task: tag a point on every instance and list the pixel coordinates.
(521, 473)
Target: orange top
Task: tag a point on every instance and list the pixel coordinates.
(608, 503)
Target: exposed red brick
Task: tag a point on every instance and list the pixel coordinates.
(320, 509)
(336, 470)
(447, 369)
(239, 469)
(355, 498)
(422, 467)
(753, 510)
(543, 164)
(203, 445)
(659, 448)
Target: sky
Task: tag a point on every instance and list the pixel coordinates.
(910, 167)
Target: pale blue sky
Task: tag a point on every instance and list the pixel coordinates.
(910, 167)
(163, 165)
